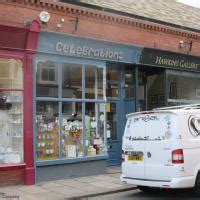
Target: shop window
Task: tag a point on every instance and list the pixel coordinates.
(129, 80)
(11, 74)
(94, 82)
(112, 74)
(94, 123)
(11, 111)
(47, 124)
(112, 78)
(183, 88)
(70, 127)
(72, 130)
(72, 81)
(47, 82)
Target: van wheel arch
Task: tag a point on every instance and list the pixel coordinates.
(197, 183)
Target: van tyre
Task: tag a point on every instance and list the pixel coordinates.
(145, 189)
(197, 184)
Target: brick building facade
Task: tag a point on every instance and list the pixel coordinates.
(123, 63)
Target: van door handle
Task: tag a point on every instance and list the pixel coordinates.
(148, 154)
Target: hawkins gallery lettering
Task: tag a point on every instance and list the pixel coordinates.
(104, 53)
(176, 63)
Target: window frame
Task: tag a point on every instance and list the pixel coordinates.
(6, 89)
(59, 63)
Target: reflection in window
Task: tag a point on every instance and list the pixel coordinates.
(112, 78)
(47, 83)
(11, 75)
(94, 82)
(94, 123)
(72, 81)
(72, 130)
(112, 74)
(47, 130)
(129, 80)
(184, 87)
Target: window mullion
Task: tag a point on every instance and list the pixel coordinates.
(59, 78)
(83, 110)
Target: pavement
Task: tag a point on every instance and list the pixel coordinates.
(73, 188)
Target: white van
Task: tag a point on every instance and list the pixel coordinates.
(161, 148)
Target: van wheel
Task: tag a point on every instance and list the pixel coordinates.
(145, 188)
(197, 184)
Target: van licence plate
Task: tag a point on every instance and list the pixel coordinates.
(135, 157)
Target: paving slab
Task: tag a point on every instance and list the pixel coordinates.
(49, 184)
(71, 188)
(64, 190)
(106, 184)
(51, 196)
(87, 179)
(33, 189)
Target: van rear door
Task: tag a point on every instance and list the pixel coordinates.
(161, 131)
(134, 148)
(148, 142)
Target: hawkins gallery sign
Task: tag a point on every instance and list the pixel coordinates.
(170, 60)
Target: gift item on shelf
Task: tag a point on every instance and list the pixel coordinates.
(12, 158)
(70, 151)
(72, 137)
(47, 138)
(91, 151)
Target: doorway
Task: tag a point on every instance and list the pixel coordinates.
(151, 88)
(120, 94)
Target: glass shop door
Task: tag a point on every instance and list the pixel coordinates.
(120, 101)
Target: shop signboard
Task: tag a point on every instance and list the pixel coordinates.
(68, 45)
(168, 59)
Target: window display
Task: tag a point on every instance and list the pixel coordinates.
(11, 111)
(112, 121)
(68, 126)
(47, 130)
(94, 123)
(72, 130)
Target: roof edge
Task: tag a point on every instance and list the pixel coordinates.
(113, 16)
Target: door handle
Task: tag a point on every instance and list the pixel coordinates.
(148, 154)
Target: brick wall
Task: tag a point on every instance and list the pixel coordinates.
(11, 177)
(102, 25)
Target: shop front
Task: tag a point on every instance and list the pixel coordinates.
(80, 98)
(168, 79)
(17, 46)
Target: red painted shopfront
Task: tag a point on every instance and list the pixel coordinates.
(17, 47)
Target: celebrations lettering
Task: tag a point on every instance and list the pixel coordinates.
(87, 51)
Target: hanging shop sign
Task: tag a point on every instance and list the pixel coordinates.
(169, 60)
